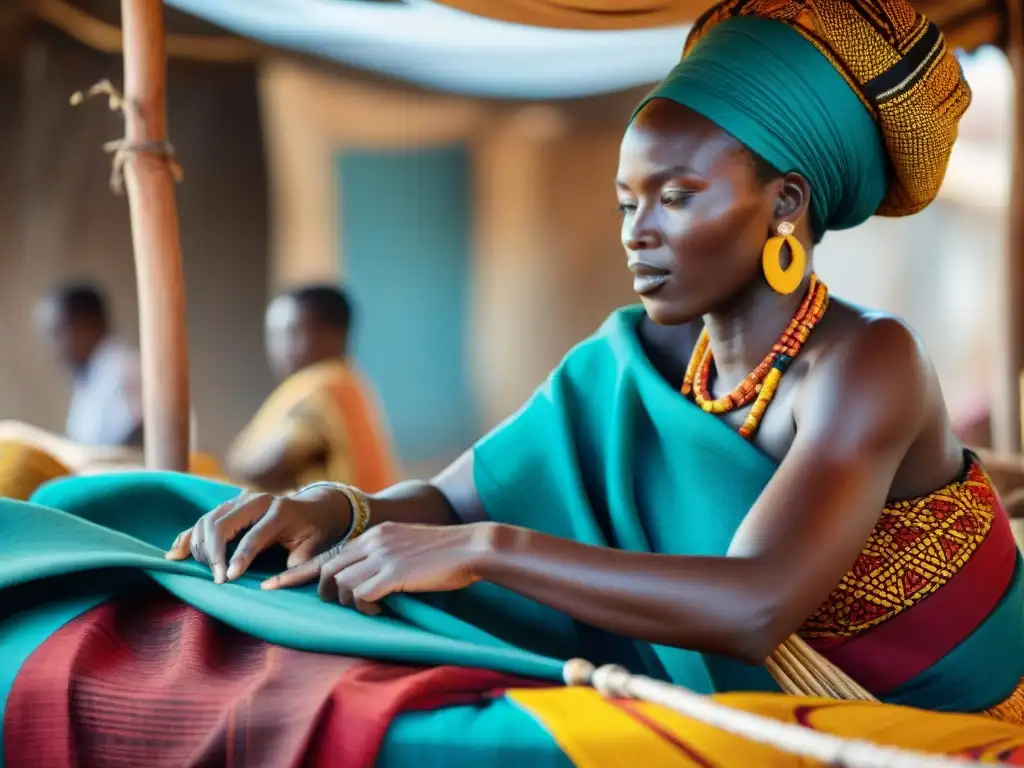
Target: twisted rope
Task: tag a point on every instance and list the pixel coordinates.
(122, 149)
(615, 682)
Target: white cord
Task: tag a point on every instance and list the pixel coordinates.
(616, 682)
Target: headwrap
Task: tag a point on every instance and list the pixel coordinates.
(860, 97)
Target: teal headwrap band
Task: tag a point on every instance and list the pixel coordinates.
(766, 85)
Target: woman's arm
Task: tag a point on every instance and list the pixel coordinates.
(313, 519)
(861, 408)
(450, 498)
(859, 412)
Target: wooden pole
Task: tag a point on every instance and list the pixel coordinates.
(1006, 404)
(149, 183)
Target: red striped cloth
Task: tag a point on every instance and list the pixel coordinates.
(154, 682)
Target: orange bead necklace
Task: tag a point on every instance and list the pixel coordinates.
(761, 383)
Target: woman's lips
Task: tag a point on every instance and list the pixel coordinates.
(647, 278)
(645, 285)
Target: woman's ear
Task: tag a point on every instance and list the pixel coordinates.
(794, 198)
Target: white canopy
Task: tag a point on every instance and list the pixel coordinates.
(436, 47)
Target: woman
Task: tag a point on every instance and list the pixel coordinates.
(722, 543)
(682, 514)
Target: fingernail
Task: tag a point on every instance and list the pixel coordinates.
(269, 584)
(233, 572)
(218, 574)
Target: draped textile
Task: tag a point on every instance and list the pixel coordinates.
(564, 48)
(191, 691)
(100, 667)
(967, 24)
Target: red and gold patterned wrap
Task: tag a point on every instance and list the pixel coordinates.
(916, 548)
(932, 572)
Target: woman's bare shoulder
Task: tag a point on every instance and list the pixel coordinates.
(852, 338)
(871, 382)
(866, 373)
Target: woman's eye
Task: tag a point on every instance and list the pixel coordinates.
(626, 207)
(675, 199)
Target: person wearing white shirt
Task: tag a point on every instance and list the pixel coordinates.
(106, 403)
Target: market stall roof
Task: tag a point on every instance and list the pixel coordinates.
(444, 49)
(519, 49)
(968, 23)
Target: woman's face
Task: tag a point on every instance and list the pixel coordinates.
(695, 214)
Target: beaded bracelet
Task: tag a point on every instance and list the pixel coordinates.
(359, 503)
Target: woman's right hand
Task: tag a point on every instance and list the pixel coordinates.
(305, 523)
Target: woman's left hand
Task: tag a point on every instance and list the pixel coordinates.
(395, 557)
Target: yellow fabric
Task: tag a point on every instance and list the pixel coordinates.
(205, 465)
(596, 733)
(326, 409)
(1011, 709)
(23, 468)
(967, 24)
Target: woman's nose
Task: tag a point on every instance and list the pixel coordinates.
(640, 235)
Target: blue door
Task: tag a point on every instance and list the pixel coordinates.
(406, 229)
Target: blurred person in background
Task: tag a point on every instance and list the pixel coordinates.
(323, 422)
(104, 419)
(106, 402)
(104, 427)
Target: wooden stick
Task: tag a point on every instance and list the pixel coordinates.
(1006, 404)
(835, 681)
(154, 218)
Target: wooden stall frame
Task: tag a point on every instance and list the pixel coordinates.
(149, 181)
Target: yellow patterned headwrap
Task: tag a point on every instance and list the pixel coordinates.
(897, 62)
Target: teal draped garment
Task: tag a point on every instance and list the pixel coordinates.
(608, 453)
(763, 83)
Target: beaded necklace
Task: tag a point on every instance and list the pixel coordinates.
(762, 382)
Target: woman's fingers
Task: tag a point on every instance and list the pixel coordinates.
(180, 548)
(300, 574)
(348, 582)
(196, 546)
(212, 533)
(335, 558)
(264, 533)
(347, 556)
(304, 551)
(375, 588)
(370, 609)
